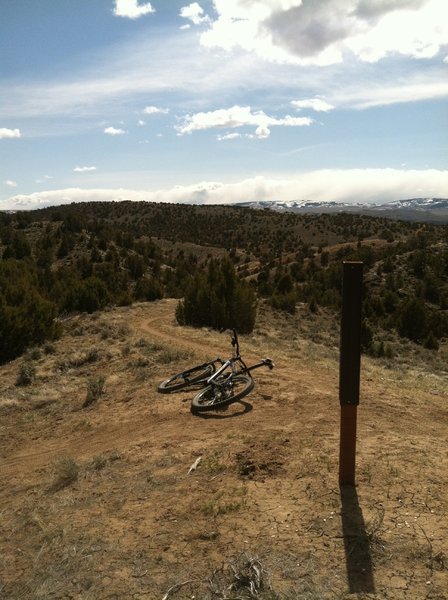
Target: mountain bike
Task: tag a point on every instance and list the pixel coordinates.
(224, 382)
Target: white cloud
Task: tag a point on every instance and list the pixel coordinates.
(180, 68)
(238, 116)
(114, 131)
(9, 133)
(228, 136)
(316, 104)
(195, 13)
(69, 195)
(322, 33)
(131, 9)
(10, 183)
(262, 132)
(378, 94)
(351, 185)
(84, 169)
(445, 60)
(141, 123)
(414, 33)
(155, 110)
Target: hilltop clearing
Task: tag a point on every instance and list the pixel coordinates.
(97, 500)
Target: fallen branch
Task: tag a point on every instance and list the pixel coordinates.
(195, 465)
(176, 587)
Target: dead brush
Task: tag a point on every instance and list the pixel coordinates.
(244, 577)
(374, 529)
(65, 472)
(165, 354)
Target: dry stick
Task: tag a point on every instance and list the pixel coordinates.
(176, 587)
(431, 550)
(195, 465)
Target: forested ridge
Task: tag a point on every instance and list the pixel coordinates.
(220, 261)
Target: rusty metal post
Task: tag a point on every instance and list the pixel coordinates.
(349, 368)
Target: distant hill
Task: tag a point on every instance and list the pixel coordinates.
(421, 210)
(425, 210)
(88, 256)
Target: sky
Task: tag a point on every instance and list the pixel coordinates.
(222, 101)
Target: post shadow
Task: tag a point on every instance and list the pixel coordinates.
(356, 543)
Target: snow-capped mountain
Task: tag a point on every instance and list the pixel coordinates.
(413, 209)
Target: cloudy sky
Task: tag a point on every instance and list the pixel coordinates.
(222, 100)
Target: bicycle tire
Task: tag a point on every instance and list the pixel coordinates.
(217, 396)
(186, 379)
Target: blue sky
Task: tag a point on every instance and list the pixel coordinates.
(222, 101)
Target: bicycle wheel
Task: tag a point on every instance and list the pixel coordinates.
(193, 376)
(224, 392)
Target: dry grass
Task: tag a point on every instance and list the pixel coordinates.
(65, 472)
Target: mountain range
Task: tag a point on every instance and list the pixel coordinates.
(434, 210)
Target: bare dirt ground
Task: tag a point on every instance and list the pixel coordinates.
(97, 501)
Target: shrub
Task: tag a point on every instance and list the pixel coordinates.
(388, 352)
(312, 305)
(26, 375)
(65, 472)
(286, 301)
(169, 355)
(34, 353)
(412, 319)
(95, 388)
(366, 337)
(431, 342)
(92, 355)
(124, 299)
(92, 295)
(18, 248)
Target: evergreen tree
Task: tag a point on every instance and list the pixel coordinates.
(412, 319)
(148, 289)
(26, 318)
(219, 300)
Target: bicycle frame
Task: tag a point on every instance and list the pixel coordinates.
(231, 362)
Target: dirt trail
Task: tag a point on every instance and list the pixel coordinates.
(161, 417)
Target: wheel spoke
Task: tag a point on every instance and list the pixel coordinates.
(224, 391)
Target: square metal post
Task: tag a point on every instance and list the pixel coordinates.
(350, 368)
